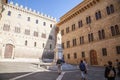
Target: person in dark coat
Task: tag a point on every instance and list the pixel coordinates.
(110, 72)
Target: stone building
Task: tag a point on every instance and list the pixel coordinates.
(26, 33)
(91, 30)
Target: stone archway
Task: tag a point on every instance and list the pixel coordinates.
(93, 57)
(8, 51)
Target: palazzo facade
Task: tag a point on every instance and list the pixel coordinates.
(26, 33)
(91, 31)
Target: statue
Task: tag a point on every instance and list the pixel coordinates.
(58, 49)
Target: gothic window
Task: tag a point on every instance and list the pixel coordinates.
(90, 37)
(98, 15)
(6, 27)
(17, 29)
(82, 40)
(88, 20)
(115, 30)
(110, 9)
(27, 31)
(35, 33)
(101, 34)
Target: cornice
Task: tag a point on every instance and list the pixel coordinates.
(77, 10)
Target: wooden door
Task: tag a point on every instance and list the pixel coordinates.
(8, 51)
(93, 57)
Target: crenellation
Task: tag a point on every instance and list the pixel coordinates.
(16, 4)
(26, 9)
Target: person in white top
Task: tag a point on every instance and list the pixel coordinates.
(85, 62)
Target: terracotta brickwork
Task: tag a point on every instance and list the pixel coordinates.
(106, 47)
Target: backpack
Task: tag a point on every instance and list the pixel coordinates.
(82, 66)
(111, 73)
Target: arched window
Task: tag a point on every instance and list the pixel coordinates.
(108, 10)
(112, 8)
(117, 30)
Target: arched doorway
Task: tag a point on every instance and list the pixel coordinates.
(8, 51)
(93, 57)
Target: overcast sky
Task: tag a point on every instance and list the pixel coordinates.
(54, 8)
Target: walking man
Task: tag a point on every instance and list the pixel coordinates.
(83, 70)
(59, 64)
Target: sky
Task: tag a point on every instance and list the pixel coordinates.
(54, 8)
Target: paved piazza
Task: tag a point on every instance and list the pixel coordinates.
(30, 71)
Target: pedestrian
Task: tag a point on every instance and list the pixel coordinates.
(83, 70)
(110, 72)
(86, 64)
(59, 64)
(118, 67)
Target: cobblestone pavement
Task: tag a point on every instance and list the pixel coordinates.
(28, 71)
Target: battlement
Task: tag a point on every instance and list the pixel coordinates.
(29, 10)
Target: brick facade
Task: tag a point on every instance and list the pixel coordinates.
(106, 47)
